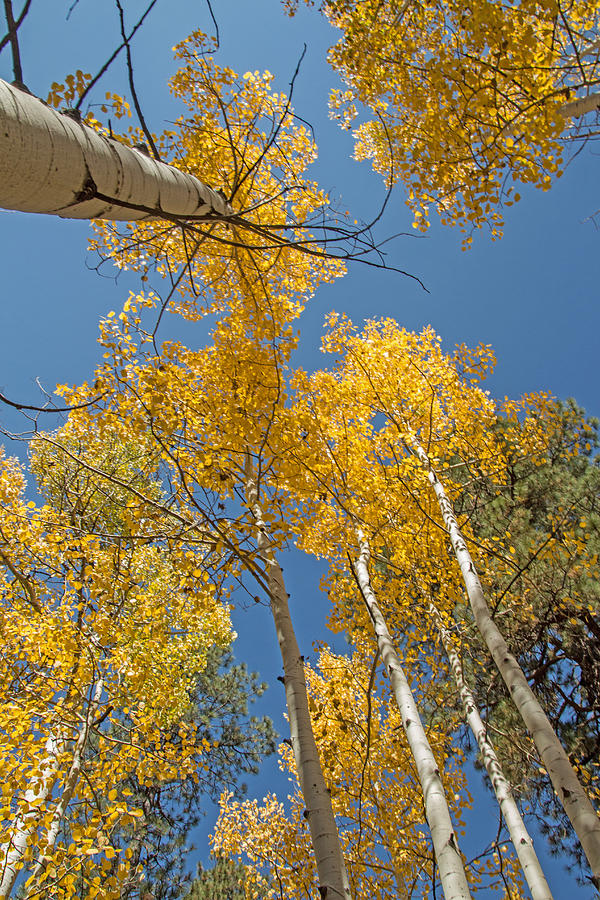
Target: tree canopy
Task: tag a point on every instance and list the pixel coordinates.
(458, 533)
(467, 101)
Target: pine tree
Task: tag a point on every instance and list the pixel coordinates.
(225, 880)
(236, 744)
(545, 517)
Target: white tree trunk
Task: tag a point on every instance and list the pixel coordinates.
(534, 875)
(70, 783)
(36, 793)
(449, 861)
(53, 163)
(575, 801)
(333, 879)
(577, 108)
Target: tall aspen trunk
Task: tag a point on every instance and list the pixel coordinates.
(52, 162)
(70, 783)
(38, 791)
(575, 801)
(333, 879)
(521, 840)
(449, 861)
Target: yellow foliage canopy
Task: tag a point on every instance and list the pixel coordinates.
(103, 630)
(464, 96)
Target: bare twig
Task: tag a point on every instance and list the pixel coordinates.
(112, 58)
(134, 95)
(13, 27)
(215, 23)
(51, 409)
(17, 25)
(71, 8)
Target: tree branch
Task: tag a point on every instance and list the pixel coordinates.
(13, 27)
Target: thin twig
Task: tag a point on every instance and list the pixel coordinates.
(71, 8)
(57, 409)
(14, 41)
(134, 95)
(112, 58)
(17, 25)
(215, 23)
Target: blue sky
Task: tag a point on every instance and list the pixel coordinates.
(533, 295)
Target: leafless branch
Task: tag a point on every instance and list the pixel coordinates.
(134, 95)
(50, 409)
(215, 23)
(112, 58)
(11, 36)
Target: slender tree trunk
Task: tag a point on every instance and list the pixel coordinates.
(519, 835)
(575, 801)
(445, 842)
(52, 162)
(70, 782)
(36, 793)
(333, 879)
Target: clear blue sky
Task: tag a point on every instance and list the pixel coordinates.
(533, 295)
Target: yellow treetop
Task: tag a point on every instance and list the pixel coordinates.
(241, 137)
(465, 99)
(103, 632)
(375, 794)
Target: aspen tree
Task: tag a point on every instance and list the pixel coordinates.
(237, 133)
(443, 833)
(262, 219)
(340, 481)
(333, 880)
(216, 426)
(542, 518)
(366, 757)
(95, 673)
(70, 784)
(519, 835)
(35, 795)
(464, 100)
(57, 164)
(577, 805)
(418, 389)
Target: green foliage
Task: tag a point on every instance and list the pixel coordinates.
(225, 881)
(546, 520)
(238, 742)
(90, 477)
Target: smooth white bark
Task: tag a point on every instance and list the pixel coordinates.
(521, 840)
(575, 801)
(37, 792)
(333, 879)
(70, 781)
(577, 108)
(445, 842)
(52, 163)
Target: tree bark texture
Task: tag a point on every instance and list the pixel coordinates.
(70, 781)
(575, 801)
(577, 108)
(51, 162)
(333, 879)
(445, 842)
(521, 840)
(37, 792)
